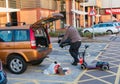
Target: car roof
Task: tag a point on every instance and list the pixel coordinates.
(110, 22)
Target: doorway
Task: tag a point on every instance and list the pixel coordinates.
(13, 16)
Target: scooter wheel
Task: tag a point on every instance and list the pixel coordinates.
(105, 67)
(83, 67)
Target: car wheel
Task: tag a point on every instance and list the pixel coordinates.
(86, 32)
(105, 67)
(83, 66)
(16, 64)
(109, 32)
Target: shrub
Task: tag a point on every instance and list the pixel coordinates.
(53, 34)
(56, 33)
(89, 35)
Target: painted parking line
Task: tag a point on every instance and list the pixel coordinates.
(117, 80)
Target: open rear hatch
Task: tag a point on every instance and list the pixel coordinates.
(44, 21)
(40, 29)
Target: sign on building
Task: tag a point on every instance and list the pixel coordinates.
(92, 12)
(113, 11)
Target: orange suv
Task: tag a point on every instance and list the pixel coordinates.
(20, 45)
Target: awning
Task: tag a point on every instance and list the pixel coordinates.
(8, 9)
(79, 12)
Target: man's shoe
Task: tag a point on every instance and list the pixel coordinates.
(74, 63)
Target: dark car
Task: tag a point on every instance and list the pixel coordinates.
(3, 76)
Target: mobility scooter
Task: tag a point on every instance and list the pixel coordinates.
(92, 65)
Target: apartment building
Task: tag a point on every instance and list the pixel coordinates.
(29, 10)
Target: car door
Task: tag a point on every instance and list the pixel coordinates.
(101, 28)
(97, 28)
(22, 39)
(6, 43)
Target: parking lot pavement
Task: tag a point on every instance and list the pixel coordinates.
(34, 74)
(111, 55)
(106, 50)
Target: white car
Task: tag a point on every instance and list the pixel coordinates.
(107, 27)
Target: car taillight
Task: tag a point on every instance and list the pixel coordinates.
(32, 39)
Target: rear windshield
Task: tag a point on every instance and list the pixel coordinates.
(40, 33)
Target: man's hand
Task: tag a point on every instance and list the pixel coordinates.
(59, 41)
(61, 45)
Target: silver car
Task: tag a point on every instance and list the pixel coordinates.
(107, 27)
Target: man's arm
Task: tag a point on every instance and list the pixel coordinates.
(65, 36)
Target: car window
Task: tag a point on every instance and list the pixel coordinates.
(5, 35)
(21, 35)
(97, 25)
(119, 24)
(109, 25)
(40, 32)
(102, 25)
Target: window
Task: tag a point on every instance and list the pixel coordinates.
(109, 25)
(21, 35)
(5, 36)
(102, 25)
(95, 26)
(40, 33)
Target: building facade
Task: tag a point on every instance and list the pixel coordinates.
(80, 13)
(30, 10)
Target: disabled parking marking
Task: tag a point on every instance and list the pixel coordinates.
(102, 52)
(101, 78)
(97, 78)
(24, 81)
(79, 76)
(34, 81)
(117, 76)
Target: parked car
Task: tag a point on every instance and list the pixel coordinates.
(20, 45)
(107, 27)
(3, 75)
(118, 25)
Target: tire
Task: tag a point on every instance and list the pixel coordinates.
(16, 64)
(109, 32)
(83, 66)
(105, 67)
(86, 32)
